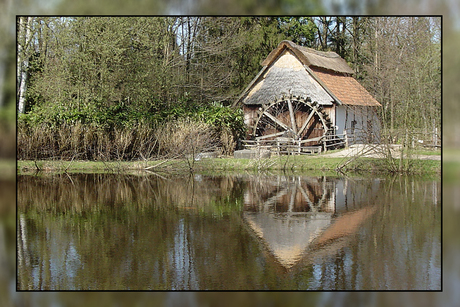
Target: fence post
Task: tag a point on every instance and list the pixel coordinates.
(346, 138)
(435, 141)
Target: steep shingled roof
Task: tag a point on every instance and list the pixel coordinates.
(346, 89)
(327, 69)
(279, 81)
(311, 57)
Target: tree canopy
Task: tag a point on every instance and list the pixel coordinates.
(127, 69)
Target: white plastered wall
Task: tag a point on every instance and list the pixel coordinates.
(361, 122)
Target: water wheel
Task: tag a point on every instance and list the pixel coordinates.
(292, 117)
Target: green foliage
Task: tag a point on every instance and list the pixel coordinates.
(112, 73)
(300, 30)
(223, 117)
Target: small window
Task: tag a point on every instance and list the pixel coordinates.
(353, 126)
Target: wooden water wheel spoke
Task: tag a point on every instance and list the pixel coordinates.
(305, 124)
(292, 118)
(305, 195)
(277, 121)
(292, 199)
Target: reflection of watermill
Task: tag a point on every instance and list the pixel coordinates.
(291, 217)
(296, 219)
(294, 196)
(294, 118)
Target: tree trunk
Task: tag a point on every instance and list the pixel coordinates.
(2, 75)
(24, 36)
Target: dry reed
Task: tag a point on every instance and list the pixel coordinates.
(176, 138)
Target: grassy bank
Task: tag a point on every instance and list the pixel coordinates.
(282, 163)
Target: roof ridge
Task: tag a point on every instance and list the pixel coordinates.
(326, 54)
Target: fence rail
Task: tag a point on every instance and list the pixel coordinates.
(297, 147)
(414, 138)
(330, 141)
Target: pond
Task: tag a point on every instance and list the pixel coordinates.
(227, 232)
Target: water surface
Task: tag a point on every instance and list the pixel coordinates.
(236, 232)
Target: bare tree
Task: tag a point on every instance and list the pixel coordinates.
(24, 42)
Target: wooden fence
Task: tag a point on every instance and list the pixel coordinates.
(414, 138)
(297, 147)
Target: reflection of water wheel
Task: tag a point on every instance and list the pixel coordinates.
(293, 196)
(291, 117)
(304, 197)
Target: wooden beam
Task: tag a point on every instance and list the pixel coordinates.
(305, 195)
(308, 120)
(270, 135)
(291, 115)
(277, 121)
(311, 140)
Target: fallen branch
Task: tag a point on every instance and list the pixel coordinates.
(160, 163)
(65, 170)
(156, 165)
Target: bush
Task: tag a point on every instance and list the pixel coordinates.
(185, 136)
(55, 132)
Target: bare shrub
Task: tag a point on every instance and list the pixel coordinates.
(103, 145)
(227, 141)
(35, 142)
(184, 137)
(174, 139)
(123, 140)
(145, 143)
(68, 140)
(7, 140)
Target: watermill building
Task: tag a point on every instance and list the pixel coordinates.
(308, 98)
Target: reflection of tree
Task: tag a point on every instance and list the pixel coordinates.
(86, 193)
(125, 231)
(115, 232)
(402, 239)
